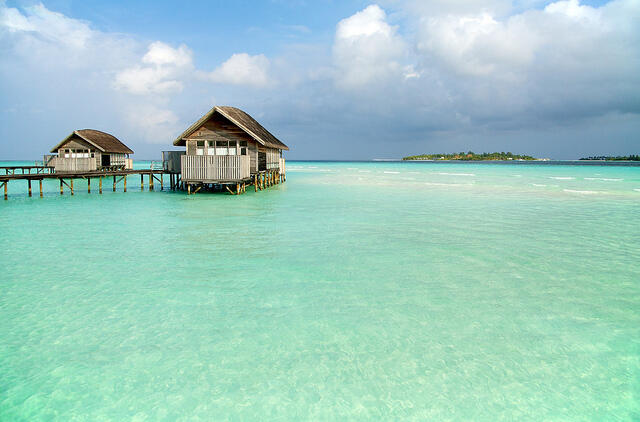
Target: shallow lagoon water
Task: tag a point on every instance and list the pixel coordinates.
(356, 291)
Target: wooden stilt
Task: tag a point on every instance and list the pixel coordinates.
(6, 195)
(114, 183)
(29, 183)
(125, 182)
(60, 186)
(142, 182)
(100, 185)
(150, 181)
(40, 187)
(88, 185)
(161, 182)
(188, 189)
(72, 186)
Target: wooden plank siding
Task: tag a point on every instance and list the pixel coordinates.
(75, 165)
(215, 168)
(273, 158)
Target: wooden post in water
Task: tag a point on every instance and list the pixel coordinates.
(150, 181)
(114, 183)
(161, 182)
(125, 182)
(29, 183)
(141, 182)
(100, 185)
(72, 186)
(61, 189)
(6, 196)
(188, 188)
(40, 187)
(88, 185)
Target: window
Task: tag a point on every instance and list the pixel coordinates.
(243, 143)
(221, 148)
(200, 148)
(232, 150)
(243, 151)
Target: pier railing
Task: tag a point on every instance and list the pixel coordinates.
(210, 168)
(75, 165)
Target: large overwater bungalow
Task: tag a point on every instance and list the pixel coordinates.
(226, 146)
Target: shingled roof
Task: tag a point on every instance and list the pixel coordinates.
(241, 119)
(102, 141)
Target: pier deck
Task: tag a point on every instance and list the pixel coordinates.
(260, 181)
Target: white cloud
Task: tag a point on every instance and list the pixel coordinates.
(161, 54)
(367, 49)
(69, 70)
(154, 123)
(163, 69)
(242, 69)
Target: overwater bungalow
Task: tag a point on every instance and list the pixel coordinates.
(226, 146)
(90, 150)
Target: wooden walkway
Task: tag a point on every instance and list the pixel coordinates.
(66, 179)
(31, 174)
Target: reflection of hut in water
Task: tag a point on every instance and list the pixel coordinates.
(226, 146)
(90, 150)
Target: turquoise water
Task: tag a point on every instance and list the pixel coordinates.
(354, 291)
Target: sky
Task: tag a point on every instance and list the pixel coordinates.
(333, 79)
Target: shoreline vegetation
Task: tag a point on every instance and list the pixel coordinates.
(611, 158)
(472, 156)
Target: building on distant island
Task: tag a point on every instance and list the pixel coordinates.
(226, 145)
(89, 150)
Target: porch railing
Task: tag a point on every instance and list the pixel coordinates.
(215, 168)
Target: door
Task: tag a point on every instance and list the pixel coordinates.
(262, 160)
(106, 160)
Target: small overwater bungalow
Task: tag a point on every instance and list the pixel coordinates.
(226, 146)
(89, 150)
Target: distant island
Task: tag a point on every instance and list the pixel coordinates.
(617, 158)
(472, 156)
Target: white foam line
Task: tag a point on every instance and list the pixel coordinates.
(583, 192)
(561, 178)
(603, 179)
(448, 184)
(364, 171)
(456, 174)
(539, 185)
(391, 172)
(637, 190)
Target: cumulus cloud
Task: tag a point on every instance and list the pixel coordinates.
(154, 123)
(367, 49)
(242, 69)
(161, 72)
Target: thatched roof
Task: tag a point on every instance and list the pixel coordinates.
(239, 118)
(102, 141)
